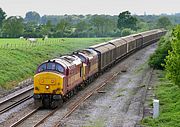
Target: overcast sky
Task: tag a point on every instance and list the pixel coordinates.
(112, 7)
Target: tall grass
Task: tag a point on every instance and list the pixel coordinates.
(20, 62)
(169, 96)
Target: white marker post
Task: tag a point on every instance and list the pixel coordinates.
(155, 108)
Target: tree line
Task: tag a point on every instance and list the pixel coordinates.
(33, 25)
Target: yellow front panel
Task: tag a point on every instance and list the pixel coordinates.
(48, 82)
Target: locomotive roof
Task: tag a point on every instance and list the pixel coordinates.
(67, 61)
(71, 59)
(88, 53)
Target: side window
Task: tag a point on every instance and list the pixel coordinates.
(59, 68)
(82, 58)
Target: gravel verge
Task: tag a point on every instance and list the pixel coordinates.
(119, 103)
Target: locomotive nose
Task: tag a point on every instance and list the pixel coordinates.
(48, 83)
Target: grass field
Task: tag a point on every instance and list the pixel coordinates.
(169, 97)
(20, 58)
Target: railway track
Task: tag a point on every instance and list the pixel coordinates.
(38, 115)
(15, 99)
(97, 89)
(34, 118)
(85, 97)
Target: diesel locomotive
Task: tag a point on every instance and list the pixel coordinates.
(58, 79)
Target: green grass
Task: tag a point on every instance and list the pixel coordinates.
(19, 58)
(169, 96)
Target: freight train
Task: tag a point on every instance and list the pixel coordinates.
(58, 79)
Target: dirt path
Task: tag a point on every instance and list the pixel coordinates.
(121, 102)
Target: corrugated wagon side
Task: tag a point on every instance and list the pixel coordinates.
(106, 53)
(121, 47)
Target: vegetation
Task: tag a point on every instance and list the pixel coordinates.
(164, 22)
(55, 26)
(20, 61)
(157, 58)
(127, 31)
(173, 59)
(167, 55)
(32, 16)
(125, 20)
(2, 17)
(13, 26)
(168, 94)
(167, 91)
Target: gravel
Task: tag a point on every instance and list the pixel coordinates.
(119, 103)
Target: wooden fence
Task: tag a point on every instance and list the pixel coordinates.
(27, 45)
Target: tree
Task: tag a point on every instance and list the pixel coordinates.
(103, 24)
(81, 28)
(63, 27)
(2, 16)
(125, 20)
(164, 22)
(13, 26)
(98, 22)
(47, 28)
(32, 16)
(173, 59)
(142, 25)
(32, 30)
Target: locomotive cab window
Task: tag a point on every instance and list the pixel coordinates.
(59, 68)
(42, 68)
(83, 59)
(50, 66)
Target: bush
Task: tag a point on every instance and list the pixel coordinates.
(157, 59)
(173, 59)
(126, 31)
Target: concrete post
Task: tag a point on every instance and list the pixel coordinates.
(155, 108)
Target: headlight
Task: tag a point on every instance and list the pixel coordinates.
(47, 87)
